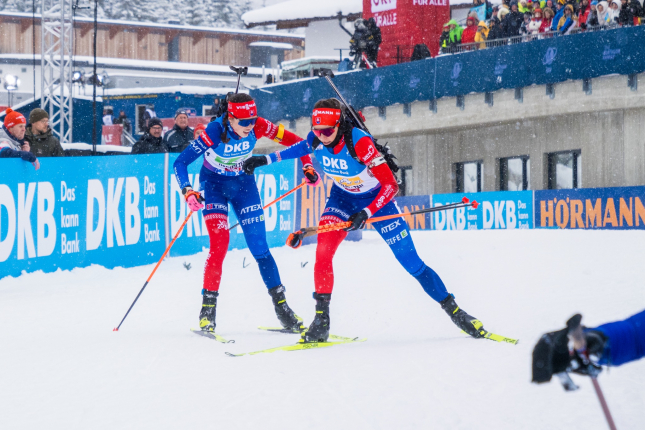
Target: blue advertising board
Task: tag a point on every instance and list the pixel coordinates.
(496, 210)
(74, 212)
(591, 208)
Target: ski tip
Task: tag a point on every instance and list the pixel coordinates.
(230, 354)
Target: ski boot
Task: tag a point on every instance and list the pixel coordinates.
(207, 314)
(467, 323)
(287, 317)
(318, 331)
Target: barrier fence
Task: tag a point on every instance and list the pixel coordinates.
(123, 211)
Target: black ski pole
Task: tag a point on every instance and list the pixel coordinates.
(328, 74)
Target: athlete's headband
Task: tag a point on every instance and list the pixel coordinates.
(243, 109)
(325, 116)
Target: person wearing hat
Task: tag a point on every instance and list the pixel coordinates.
(178, 139)
(151, 142)
(198, 130)
(12, 135)
(41, 139)
(592, 19)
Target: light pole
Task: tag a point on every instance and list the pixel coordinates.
(11, 83)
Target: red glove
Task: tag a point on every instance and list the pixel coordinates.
(311, 176)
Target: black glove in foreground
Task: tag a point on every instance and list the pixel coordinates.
(253, 163)
(358, 220)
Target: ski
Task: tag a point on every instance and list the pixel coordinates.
(211, 335)
(286, 330)
(299, 346)
(496, 337)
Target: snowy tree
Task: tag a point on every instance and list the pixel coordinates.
(195, 12)
(228, 13)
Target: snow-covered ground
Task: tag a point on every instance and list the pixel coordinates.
(62, 366)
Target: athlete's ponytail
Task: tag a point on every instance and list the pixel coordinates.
(233, 98)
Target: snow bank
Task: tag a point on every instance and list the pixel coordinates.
(299, 9)
(62, 366)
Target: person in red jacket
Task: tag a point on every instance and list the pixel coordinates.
(585, 10)
(468, 35)
(547, 20)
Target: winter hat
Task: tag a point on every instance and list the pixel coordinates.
(13, 118)
(180, 112)
(37, 114)
(153, 122)
(594, 2)
(198, 129)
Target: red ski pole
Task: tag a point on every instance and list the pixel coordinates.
(155, 269)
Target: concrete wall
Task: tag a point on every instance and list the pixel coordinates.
(608, 126)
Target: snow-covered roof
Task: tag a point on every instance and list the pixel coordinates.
(129, 64)
(301, 12)
(169, 26)
(275, 45)
(183, 89)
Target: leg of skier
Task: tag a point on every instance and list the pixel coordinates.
(216, 217)
(248, 208)
(396, 234)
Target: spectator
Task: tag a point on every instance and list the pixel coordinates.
(12, 134)
(179, 137)
(549, 4)
(147, 116)
(602, 8)
(488, 10)
(502, 15)
(569, 20)
(523, 6)
(482, 34)
(444, 39)
(468, 35)
(524, 28)
(592, 19)
(495, 12)
(614, 12)
(455, 32)
(637, 11)
(513, 21)
(107, 116)
(41, 139)
(547, 20)
(583, 13)
(374, 40)
(626, 16)
(124, 121)
(495, 31)
(151, 142)
(559, 13)
(198, 130)
(536, 21)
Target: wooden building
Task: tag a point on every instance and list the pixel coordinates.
(150, 41)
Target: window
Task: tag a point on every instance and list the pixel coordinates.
(406, 184)
(564, 170)
(514, 173)
(468, 177)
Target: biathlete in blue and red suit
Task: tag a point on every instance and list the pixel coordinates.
(225, 144)
(361, 190)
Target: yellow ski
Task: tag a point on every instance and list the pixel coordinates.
(211, 335)
(299, 346)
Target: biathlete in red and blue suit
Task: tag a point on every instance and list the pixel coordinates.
(225, 144)
(361, 190)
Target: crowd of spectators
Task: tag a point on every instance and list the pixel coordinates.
(513, 21)
(175, 140)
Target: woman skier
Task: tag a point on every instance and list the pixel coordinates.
(362, 189)
(225, 144)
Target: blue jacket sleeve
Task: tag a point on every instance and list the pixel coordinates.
(556, 19)
(210, 138)
(297, 150)
(12, 153)
(626, 340)
(568, 23)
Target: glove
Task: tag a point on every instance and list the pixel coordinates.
(295, 239)
(358, 220)
(311, 175)
(253, 163)
(194, 200)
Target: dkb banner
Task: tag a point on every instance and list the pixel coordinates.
(74, 212)
(497, 210)
(591, 208)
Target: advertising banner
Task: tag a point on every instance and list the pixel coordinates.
(591, 208)
(75, 212)
(497, 210)
(111, 134)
